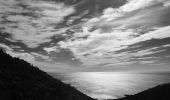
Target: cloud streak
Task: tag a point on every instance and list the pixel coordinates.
(33, 22)
(113, 31)
(63, 36)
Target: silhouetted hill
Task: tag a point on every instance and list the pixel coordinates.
(161, 92)
(21, 81)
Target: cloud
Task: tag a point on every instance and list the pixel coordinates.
(33, 22)
(101, 48)
(165, 2)
(26, 56)
(113, 13)
(46, 63)
(3, 46)
(45, 58)
(157, 34)
(136, 4)
(117, 29)
(52, 49)
(116, 39)
(102, 40)
(130, 6)
(134, 13)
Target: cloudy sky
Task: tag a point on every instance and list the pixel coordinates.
(88, 35)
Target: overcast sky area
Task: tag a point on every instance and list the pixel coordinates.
(88, 35)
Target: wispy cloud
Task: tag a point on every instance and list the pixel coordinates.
(33, 22)
(51, 49)
(114, 37)
(26, 56)
(44, 62)
(101, 47)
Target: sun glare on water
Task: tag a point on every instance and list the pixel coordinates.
(113, 85)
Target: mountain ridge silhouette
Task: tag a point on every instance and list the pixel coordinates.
(20, 80)
(160, 92)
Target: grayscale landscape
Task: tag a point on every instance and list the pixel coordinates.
(105, 49)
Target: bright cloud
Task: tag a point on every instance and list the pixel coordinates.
(101, 48)
(35, 23)
(133, 13)
(26, 56)
(5, 47)
(114, 31)
(50, 49)
(46, 62)
(113, 37)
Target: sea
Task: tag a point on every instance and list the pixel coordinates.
(113, 85)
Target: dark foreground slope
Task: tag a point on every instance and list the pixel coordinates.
(161, 92)
(21, 81)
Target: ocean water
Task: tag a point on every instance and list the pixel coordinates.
(113, 85)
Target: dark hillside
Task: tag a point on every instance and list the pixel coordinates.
(19, 80)
(161, 92)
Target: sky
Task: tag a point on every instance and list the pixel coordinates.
(88, 35)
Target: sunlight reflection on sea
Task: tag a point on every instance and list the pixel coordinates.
(113, 85)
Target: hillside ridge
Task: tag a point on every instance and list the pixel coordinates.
(20, 80)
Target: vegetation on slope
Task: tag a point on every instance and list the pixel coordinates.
(20, 80)
(161, 92)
